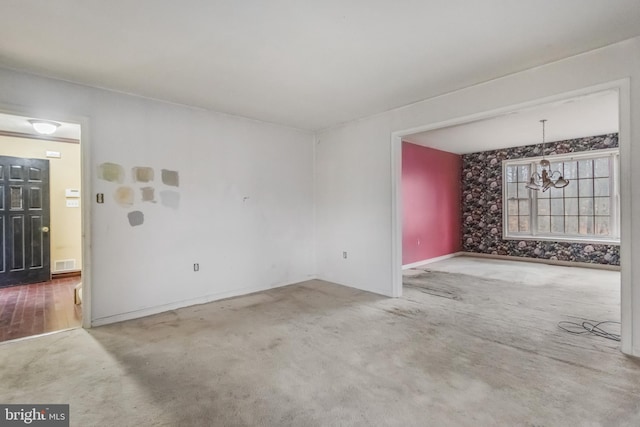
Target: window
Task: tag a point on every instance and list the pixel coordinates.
(584, 211)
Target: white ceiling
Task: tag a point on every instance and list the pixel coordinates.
(307, 64)
(589, 115)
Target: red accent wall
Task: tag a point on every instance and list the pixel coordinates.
(431, 198)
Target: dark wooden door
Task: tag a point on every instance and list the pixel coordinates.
(24, 221)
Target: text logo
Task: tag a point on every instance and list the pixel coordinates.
(34, 415)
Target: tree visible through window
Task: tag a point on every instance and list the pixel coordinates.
(586, 209)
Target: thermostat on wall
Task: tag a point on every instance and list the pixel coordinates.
(71, 192)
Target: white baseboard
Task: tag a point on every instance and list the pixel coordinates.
(431, 260)
(136, 314)
(543, 261)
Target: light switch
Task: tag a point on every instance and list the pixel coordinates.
(75, 203)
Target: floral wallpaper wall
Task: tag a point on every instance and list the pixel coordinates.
(482, 205)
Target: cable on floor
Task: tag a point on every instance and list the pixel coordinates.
(587, 327)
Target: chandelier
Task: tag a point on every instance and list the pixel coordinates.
(545, 180)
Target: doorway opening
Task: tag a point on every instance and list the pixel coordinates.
(421, 135)
(41, 258)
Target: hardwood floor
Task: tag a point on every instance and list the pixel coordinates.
(34, 309)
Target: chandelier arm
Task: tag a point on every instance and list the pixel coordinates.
(553, 173)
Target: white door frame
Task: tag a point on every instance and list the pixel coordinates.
(628, 289)
(85, 200)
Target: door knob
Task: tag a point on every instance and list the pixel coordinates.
(45, 229)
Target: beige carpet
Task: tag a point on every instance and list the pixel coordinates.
(456, 350)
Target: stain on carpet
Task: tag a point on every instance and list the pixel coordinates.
(434, 283)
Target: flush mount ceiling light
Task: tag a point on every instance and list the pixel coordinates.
(44, 127)
(545, 179)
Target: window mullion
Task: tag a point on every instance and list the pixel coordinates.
(614, 198)
(533, 204)
(593, 195)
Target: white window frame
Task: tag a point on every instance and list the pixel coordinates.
(614, 191)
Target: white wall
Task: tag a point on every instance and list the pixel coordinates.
(354, 199)
(242, 245)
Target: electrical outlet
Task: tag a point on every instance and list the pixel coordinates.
(196, 267)
(344, 255)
